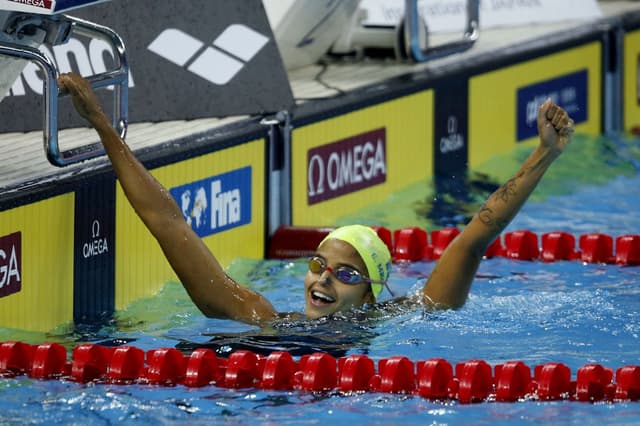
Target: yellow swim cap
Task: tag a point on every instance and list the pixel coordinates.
(373, 251)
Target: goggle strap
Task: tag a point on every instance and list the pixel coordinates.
(389, 289)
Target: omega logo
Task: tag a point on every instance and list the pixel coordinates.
(454, 141)
(98, 245)
(346, 166)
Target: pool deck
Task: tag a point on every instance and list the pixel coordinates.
(24, 164)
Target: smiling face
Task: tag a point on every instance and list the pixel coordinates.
(324, 294)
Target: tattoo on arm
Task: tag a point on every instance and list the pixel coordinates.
(508, 190)
(487, 217)
(505, 194)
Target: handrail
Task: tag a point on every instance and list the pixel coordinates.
(119, 78)
(412, 26)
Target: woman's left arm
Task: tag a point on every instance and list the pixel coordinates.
(449, 283)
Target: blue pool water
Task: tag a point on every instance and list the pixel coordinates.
(536, 312)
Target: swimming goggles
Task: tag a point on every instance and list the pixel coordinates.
(344, 274)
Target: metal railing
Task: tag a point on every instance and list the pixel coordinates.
(64, 26)
(412, 28)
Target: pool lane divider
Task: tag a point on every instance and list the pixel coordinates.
(413, 244)
(434, 379)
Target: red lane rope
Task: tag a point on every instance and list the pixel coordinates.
(416, 244)
(434, 379)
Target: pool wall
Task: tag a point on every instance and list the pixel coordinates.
(74, 250)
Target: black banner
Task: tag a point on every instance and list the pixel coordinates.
(451, 150)
(94, 252)
(188, 59)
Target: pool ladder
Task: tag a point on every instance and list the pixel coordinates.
(58, 29)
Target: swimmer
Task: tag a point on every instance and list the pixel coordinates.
(351, 265)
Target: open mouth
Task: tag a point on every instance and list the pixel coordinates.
(320, 298)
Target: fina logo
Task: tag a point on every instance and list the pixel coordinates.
(219, 63)
(217, 203)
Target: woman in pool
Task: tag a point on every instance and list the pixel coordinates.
(351, 265)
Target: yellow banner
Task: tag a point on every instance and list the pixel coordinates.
(348, 162)
(141, 268)
(631, 91)
(493, 98)
(36, 264)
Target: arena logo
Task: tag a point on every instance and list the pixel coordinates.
(219, 63)
(346, 166)
(217, 203)
(86, 60)
(10, 264)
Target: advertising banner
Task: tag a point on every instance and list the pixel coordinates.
(631, 81)
(346, 166)
(188, 59)
(44, 7)
(36, 264)
(450, 150)
(221, 196)
(94, 251)
(572, 78)
(10, 264)
(568, 91)
(443, 16)
(343, 164)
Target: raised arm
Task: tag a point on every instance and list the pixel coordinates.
(450, 281)
(211, 289)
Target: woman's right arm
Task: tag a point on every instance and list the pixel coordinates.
(211, 289)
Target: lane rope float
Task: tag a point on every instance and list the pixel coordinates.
(413, 244)
(435, 379)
